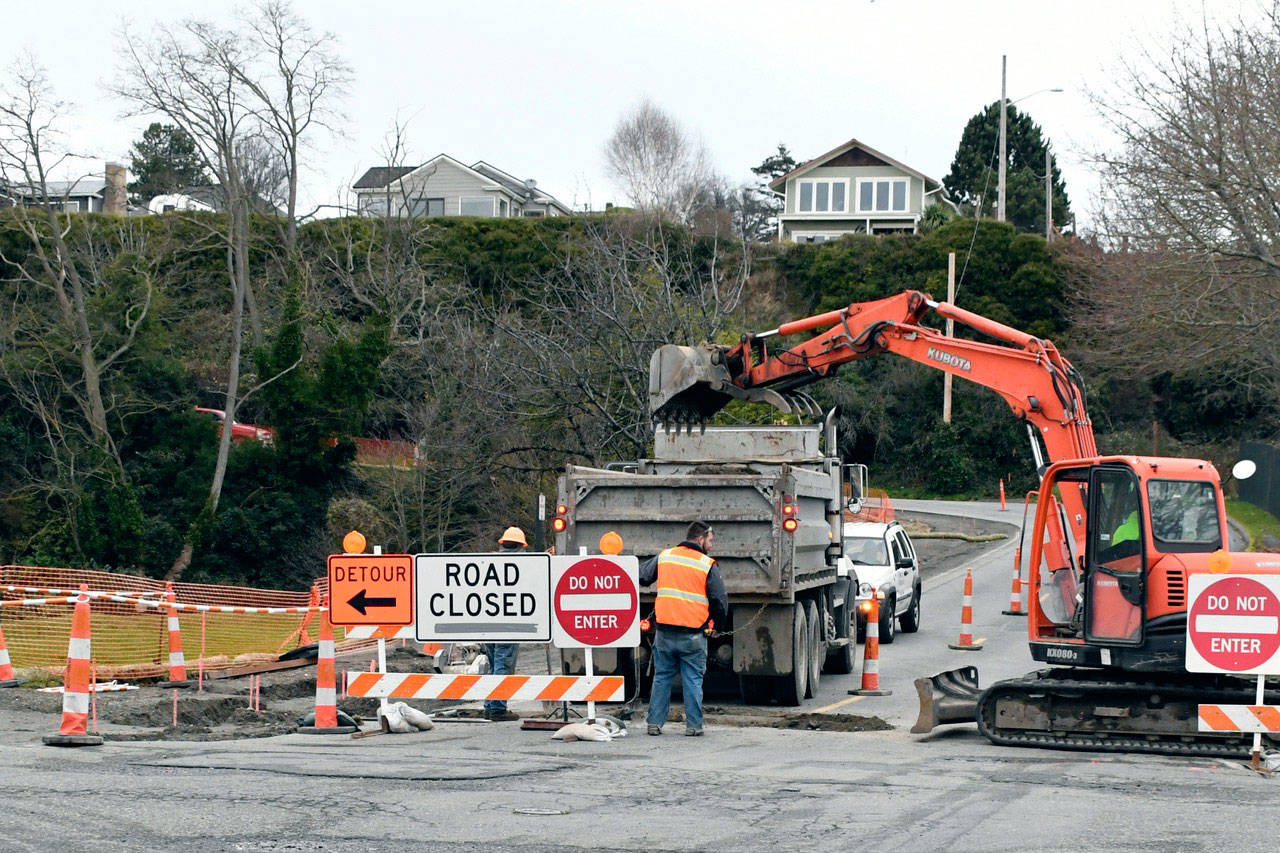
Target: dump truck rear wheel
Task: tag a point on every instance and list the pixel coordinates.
(817, 650)
(791, 687)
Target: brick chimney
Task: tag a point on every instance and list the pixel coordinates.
(114, 198)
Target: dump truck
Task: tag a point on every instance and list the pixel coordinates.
(774, 496)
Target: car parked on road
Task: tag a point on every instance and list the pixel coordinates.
(885, 561)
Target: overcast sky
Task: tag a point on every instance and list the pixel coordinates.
(535, 88)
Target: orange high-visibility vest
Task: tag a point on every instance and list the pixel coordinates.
(682, 587)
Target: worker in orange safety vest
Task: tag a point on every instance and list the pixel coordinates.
(691, 600)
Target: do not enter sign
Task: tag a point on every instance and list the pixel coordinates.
(1233, 624)
(596, 601)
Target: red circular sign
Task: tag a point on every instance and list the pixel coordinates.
(596, 602)
(1235, 624)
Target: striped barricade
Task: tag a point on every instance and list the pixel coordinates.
(1240, 718)
(380, 632)
(472, 688)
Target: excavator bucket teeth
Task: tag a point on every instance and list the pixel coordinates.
(685, 385)
(948, 697)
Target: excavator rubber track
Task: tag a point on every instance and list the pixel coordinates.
(1072, 709)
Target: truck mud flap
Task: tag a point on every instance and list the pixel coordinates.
(948, 697)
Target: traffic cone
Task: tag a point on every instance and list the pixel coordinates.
(966, 643)
(1002, 505)
(75, 688)
(871, 654)
(1015, 594)
(177, 663)
(8, 678)
(326, 716)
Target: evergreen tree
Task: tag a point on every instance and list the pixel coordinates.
(164, 160)
(973, 177)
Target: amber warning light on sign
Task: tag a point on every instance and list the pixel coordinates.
(371, 589)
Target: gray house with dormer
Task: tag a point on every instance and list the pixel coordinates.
(443, 186)
(853, 189)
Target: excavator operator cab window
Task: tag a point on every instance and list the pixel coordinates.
(1184, 515)
(1114, 558)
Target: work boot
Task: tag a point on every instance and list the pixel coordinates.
(501, 716)
(655, 730)
(693, 732)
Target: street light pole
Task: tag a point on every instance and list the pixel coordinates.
(1003, 102)
(1048, 195)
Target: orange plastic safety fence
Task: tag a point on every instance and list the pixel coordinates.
(132, 640)
(876, 506)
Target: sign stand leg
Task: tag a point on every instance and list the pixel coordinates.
(590, 671)
(382, 656)
(1255, 761)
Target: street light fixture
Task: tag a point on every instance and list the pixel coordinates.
(1004, 103)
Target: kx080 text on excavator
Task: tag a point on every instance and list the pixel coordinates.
(1114, 542)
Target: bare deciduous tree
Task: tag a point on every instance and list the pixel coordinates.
(293, 76)
(189, 74)
(1192, 214)
(661, 166)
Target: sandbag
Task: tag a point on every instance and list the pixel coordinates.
(418, 719)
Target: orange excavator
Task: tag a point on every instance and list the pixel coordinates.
(1114, 542)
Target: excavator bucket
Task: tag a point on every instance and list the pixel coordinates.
(688, 385)
(948, 697)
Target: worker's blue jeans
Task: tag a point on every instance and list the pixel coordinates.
(502, 661)
(689, 652)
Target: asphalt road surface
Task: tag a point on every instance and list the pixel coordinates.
(492, 786)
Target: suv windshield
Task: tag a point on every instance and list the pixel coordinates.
(866, 552)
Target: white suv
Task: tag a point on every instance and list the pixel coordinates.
(884, 560)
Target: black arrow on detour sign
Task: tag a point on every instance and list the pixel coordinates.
(360, 601)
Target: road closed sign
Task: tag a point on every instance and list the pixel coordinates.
(371, 589)
(596, 601)
(1233, 624)
(490, 598)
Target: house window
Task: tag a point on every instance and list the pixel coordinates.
(426, 207)
(882, 195)
(502, 207)
(477, 206)
(829, 196)
(815, 238)
(532, 213)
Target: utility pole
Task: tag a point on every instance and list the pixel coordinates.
(1003, 103)
(1048, 196)
(951, 327)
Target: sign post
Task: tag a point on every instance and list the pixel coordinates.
(1233, 626)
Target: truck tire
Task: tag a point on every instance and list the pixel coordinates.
(911, 619)
(888, 622)
(791, 687)
(841, 660)
(817, 649)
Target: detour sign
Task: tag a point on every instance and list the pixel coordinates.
(371, 589)
(1233, 624)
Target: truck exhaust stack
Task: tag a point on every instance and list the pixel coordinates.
(948, 697)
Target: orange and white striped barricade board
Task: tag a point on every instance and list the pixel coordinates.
(1240, 718)
(472, 688)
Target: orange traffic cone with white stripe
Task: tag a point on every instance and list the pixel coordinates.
(326, 716)
(75, 688)
(1015, 594)
(177, 663)
(871, 654)
(966, 643)
(8, 678)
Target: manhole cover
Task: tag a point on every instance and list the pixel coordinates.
(542, 811)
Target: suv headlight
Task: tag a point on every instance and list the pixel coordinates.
(864, 589)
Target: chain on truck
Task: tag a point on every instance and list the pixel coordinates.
(775, 497)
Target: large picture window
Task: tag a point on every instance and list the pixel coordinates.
(830, 196)
(882, 195)
(477, 206)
